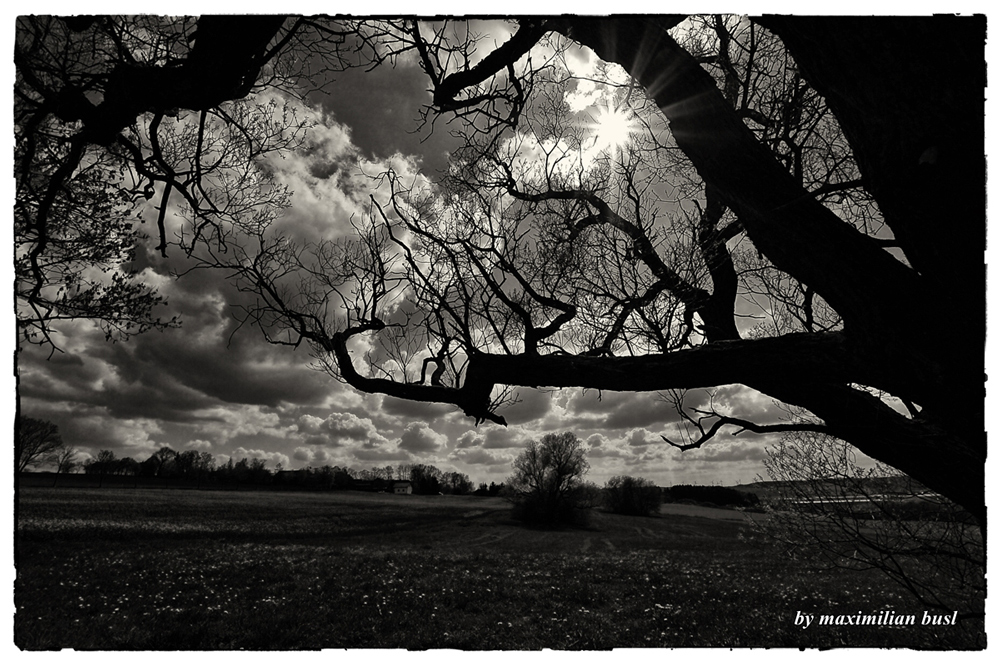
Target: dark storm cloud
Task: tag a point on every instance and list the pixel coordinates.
(382, 109)
(619, 410)
(533, 405)
(145, 391)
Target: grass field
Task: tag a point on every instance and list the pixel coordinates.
(124, 568)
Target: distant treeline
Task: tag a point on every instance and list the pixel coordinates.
(200, 469)
(716, 495)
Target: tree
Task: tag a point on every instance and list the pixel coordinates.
(815, 171)
(456, 483)
(162, 463)
(37, 442)
(547, 480)
(67, 459)
(631, 495)
(111, 112)
(799, 165)
(426, 479)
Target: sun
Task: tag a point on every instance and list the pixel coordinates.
(613, 128)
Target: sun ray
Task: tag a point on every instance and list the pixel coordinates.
(613, 128)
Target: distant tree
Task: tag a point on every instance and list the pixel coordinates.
(258, 472)
(103, 464)
(456, 483)
(631, 495)
(127, 466)
(546, 486)
(37, 442)
(341, 478)
(426, 479)
(67, 459)
(163, 462)
(403, 471)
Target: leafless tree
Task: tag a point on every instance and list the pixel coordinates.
(547, 480)
(36, 442)
(823, 192)
(795, 169)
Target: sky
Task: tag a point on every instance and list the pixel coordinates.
(215, 386)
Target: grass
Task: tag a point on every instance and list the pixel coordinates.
(123, 568)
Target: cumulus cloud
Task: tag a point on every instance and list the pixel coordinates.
(642, 438)
(307, 455)
(419, 438)
(339, 426)
(503, 438)
(469, 439)
(482, 458)
(272, 458)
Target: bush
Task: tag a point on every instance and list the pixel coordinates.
(546, 485)
(631, 495)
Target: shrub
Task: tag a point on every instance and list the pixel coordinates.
(631, 495)
(546, 486)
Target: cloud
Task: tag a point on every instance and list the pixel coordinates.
(533, 405)
(482, 458)
(469, 439)
(642, 438)
(419, 438)
(381, 454)
(339, 426)
(618, 410)
(272, 458)
(414, 410)
(716, 452)
(308, 455)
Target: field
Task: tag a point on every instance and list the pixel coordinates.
(122, 568)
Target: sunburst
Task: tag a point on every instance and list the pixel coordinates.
(613, 128)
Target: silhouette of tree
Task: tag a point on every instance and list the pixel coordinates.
(631, 495)
(37, 442)
(799, 167)
(546, 485)
(776, 164)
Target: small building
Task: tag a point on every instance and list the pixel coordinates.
(402, 487)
